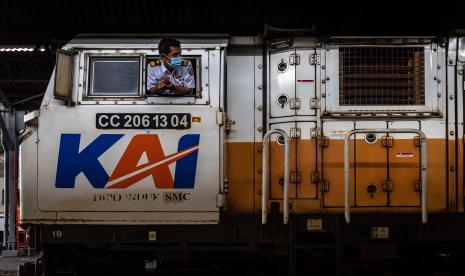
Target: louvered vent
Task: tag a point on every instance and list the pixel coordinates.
(381, 76)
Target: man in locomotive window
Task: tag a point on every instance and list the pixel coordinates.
(170, 75)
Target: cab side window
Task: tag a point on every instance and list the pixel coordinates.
(188, 75)
(114, 76)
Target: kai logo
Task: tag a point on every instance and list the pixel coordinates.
(128, 171)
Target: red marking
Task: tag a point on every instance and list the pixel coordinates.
(305, 80)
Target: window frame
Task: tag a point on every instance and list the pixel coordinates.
(207, 54)
(432, 102)
(197, 75)
(121, 97)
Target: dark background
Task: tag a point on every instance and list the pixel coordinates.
(51, 24)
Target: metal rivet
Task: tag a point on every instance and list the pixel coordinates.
(259, 108)
(260, 66)
(259, 171)
(451, 132)
(260, 87)
(260, 129)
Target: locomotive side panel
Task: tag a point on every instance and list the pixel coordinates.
(244, 105)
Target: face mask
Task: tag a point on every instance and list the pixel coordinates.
(176, 62)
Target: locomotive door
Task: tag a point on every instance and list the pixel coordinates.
(306, 123)
(404, 167)
(387, 167)
(282, 99)
(370, 168)
(292, 108)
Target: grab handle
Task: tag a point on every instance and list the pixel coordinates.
(266, 172)
(423, 165)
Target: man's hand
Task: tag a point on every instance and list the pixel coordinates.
(165, 82)
(163, 85)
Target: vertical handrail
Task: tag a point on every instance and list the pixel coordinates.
(266, 173)
(423, 165)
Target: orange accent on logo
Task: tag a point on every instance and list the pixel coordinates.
(127, 172)
(196, 119)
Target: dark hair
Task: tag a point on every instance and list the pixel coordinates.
(166, 43)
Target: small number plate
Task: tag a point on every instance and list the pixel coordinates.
(143, 120)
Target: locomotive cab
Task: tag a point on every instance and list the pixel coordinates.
(101, 150)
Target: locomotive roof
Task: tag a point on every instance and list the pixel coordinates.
(146, 40)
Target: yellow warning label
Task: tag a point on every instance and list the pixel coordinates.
(338, 133)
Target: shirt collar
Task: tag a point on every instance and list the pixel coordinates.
(164, 69)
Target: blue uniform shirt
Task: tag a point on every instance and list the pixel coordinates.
(181, 76)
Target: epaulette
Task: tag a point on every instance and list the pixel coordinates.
(185, 62)
(154, 63)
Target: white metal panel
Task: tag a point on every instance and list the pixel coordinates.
(84, 197)
(281, 83)
(305, 82)
(28, 180)
(240, 87)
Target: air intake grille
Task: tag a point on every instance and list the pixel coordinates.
(381, 76)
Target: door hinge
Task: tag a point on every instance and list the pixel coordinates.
(220, 118)
(295, 177)
(294, 59)
(220, 200)
(315, 132)
(295, 133)
(294, 103)
(314, 59)
(387, 185)
(324, 185)
(315, 177)
(417, 185)
(323, 141)
(417, 141)
(387, 141)
(314, 103)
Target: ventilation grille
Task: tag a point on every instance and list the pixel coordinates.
(381, 76)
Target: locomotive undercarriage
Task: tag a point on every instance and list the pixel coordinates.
(239, 244)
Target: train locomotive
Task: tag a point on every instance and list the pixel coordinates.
(309, 151)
